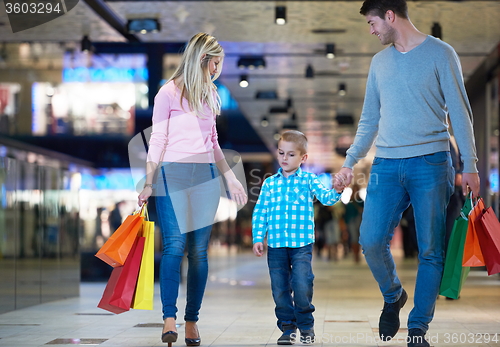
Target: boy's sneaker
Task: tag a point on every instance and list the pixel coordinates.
(416, 338)
(289, 335)
(388, 325)
(307, 336)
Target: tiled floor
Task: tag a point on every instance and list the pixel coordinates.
(238, 311)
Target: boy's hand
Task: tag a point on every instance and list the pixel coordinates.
(342, 179)
(258, 249)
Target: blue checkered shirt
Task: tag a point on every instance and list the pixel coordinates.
(284, 210)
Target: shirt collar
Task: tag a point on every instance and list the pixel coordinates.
(298, 173)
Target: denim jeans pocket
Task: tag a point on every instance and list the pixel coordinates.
(439, 158)
(377, 160)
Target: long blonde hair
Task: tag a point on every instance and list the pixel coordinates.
(197, 84)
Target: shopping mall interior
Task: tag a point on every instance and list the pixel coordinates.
(77, 89)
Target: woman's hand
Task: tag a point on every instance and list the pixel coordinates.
(145, 194)
(342, 179)
(236, 191)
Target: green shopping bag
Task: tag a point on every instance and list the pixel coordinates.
(454, 273)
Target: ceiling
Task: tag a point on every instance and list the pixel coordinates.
(247, 28)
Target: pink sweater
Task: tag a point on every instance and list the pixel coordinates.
(190, 139)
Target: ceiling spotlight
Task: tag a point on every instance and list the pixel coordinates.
(309, 71)
(266, 94)
(86, 44)
(330, 50)
(436, 30)
(280, 17)
(264, 122)
(277, 135)
(3, 52)
(244, 81)
(278, 110)
(342, 89)
(143, 25)
(291, 123)
(344, 119)
(251, 62)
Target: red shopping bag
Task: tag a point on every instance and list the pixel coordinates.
(472, 250)
(116, 249)
(108, 292)
(119, 291)
(489, 239)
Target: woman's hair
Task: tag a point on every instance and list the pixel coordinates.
(380, 7)
(296, 137)
(197, 84)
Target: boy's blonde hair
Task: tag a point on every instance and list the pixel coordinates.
(296, 137)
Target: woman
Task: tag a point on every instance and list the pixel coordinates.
(184, 142)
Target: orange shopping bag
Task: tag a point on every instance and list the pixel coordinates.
(116, 249)
(472, 250)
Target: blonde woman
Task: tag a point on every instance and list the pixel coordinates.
(184, 143)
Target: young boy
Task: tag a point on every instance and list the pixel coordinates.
(284, 211)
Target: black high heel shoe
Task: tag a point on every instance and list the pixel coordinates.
(169, 337)
(193, 342)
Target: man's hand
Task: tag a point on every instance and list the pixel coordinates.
(258, 249)
(471, 180)
(342, 179)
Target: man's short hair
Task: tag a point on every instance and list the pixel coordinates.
(296, 137)
(380, 7)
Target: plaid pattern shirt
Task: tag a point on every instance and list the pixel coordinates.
(284, 210)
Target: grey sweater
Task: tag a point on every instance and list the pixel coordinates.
(408, 98)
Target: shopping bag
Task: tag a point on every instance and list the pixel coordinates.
(454, 274)
(472, 251)
(489, 240)
(108, 291)
(144, 290)
(120, 289)
(116, 249)
(125, 287)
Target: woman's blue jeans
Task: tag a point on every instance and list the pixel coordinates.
(426, 182)
(186, 202)
(291, 272)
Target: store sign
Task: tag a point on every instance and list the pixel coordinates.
(111, 74)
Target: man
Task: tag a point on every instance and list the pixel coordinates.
(413, 86)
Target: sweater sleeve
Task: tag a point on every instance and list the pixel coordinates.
(218, 155)
(459, 109)
(368, 124)
(161, 117)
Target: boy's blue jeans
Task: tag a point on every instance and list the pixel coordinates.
(426, 182)
(191, 193)
(291, 272)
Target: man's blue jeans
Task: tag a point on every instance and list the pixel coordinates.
(291, 272)
(427, 183)
(197, 193)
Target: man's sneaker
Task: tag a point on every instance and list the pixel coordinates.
(388, 324)
(289, 335)
(416, 338)
(307, 336)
